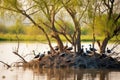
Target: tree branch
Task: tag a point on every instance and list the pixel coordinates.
(118, 17)
(8, 9)
(106, 4)
(6, 64)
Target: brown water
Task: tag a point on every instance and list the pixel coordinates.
(57, 74)
(20, 73)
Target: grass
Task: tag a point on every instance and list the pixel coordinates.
(41, 38)
(12, 37)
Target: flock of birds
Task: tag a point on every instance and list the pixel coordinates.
(87, 51)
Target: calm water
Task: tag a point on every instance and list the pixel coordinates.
(14, 73)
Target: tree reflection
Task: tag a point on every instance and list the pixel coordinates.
(70, 74)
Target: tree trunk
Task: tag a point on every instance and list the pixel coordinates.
(78, 40)
(49, 42)
(56, 36)
(104, 45)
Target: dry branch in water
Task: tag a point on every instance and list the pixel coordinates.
(16, 51)
(6, 64)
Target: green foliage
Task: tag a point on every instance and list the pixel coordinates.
(13, 4)
(85, 30)
(65, 26)
(103, 26)
(32, 30)
(17, 28)
(3, 28)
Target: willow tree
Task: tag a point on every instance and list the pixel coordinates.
(76, 10)
(50, 8)
(30, 8)
(107, 21)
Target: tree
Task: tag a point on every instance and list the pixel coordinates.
(20, 7)
(50, 8)
(107, 21)
(45, 14)
(76, 10)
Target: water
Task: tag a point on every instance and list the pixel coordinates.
(20, 73)
(57, 74)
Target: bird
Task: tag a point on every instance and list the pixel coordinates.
(82, 49)
(62, 54)
(108, 50)
(48, 52)
(69, 48)
(103, 56)
(87, 51)
(37, 56)
(56, 48)
(92, 49)
(34, 52)
(41, 56)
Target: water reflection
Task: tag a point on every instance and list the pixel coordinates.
(74, 74)
(19, 73)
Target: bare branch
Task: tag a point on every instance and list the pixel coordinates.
(84, 11)
(63, 33)
(30, 7)
(118, 17)
(6, 64)
(106, 4)
(34, 12)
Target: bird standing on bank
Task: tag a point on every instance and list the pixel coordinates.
(92, 49)
(37, 56)
(108, 50)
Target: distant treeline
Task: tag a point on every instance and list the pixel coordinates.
(32, 30)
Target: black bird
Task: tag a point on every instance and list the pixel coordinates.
(87, 51)
(41, 56)
(82, 49)
(108, 50)
(37, 56)
(48, 52)
(69, 48)
(103, 56)
(92, 49)
(56, 48)
(62, 54)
